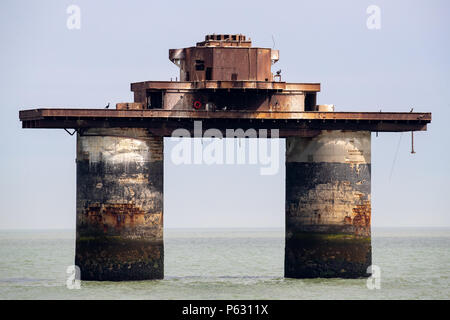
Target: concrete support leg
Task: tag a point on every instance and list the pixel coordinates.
(328, 205)
(119, 205)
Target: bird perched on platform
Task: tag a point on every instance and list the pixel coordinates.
(107, 107)
(278, 75)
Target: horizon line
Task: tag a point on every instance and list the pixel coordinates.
(220, 228)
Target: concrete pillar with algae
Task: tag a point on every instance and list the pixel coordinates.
(328, 205)
(119, 204)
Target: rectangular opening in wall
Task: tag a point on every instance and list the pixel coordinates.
(234, 76)
(208, 74)
(310, 101)
(154, 100)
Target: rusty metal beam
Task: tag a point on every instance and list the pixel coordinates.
(239, 85)
(36, 114)
(163, 122)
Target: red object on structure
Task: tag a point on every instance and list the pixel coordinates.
(197, 104)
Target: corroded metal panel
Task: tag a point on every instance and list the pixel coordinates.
(224, 57)
(119, 204)
(328, 208)
(130, 106)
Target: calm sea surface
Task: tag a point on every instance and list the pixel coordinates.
(228, 264)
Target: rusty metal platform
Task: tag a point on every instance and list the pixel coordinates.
(163, 122)
(225, 85)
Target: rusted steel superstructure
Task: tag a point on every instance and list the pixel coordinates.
(225, 83)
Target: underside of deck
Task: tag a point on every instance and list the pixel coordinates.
(163, 122)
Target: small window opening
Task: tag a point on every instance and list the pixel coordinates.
(234, 76)
(310, 101)
(199, 65)
(155, 100)
(208, 74)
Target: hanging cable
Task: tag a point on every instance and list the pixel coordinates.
(395, 157)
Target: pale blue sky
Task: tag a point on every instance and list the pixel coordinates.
(404, 64)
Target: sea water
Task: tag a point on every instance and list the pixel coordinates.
(414, 263)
